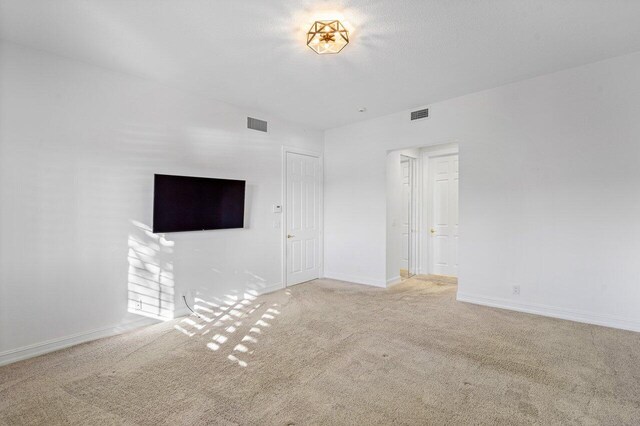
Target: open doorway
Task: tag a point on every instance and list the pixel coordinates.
(422, 213)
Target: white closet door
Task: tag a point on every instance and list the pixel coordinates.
(303, 217)
(443, 179)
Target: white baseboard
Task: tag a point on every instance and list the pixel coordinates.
(552, 311)
(354, 279)
(30, 351)
(271, 288)
(182, 312)
(394, 280)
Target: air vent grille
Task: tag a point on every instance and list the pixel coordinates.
(255, 124)
(422, 113)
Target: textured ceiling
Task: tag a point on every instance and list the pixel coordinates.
(403, 54)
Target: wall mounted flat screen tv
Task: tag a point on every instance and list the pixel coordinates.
(183, 203)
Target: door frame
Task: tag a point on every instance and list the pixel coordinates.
(427, 213)
(413, 260)
(283, 224)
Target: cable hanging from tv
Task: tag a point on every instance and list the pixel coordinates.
(185, 302)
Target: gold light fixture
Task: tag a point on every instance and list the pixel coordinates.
(327, 37)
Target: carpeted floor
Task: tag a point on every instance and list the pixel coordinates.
(328, 352)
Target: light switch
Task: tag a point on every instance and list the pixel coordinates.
(277, 208)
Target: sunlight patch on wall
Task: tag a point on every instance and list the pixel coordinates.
(150, 278)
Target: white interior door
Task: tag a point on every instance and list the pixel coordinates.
(302, 218)
(443, 180)
(405, 226)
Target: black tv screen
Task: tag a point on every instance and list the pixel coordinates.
(183, 203)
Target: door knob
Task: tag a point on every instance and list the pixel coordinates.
(290, 236)
(433, 230)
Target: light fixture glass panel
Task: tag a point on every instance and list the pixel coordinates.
(327, 37)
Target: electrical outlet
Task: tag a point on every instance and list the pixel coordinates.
(516, 290)
(138, 304)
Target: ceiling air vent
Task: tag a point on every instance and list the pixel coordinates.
(421, 113)
(255, 124)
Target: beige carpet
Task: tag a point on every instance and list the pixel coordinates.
(328, 352)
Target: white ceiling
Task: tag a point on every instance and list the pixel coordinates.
(403, 54)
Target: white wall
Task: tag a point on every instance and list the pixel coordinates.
(549, 192)
(78, 149)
